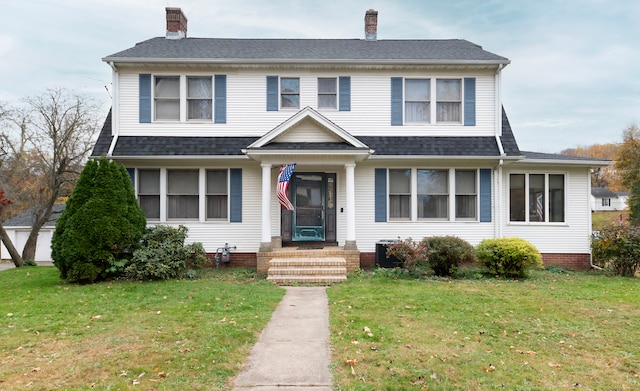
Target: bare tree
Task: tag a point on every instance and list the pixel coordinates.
(45, 144)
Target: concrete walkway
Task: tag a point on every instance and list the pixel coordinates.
(292, 353)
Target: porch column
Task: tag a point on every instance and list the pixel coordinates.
(350, 243)
(265, 239)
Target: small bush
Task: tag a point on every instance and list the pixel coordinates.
(446, 253)
(409, 252)
(617, 247)
(508, 257)
(163, 255)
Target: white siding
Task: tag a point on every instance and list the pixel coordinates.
(247, 114)
(19, 238)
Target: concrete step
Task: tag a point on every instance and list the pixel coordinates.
(309, 271)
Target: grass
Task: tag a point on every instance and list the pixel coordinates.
(172, 335)
(552, 331)
(601, 219)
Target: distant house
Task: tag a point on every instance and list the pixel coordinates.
(603, 199)
(19, 228)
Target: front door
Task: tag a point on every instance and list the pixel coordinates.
(308, 214)
(314, 216)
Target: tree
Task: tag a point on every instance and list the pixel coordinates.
(601, 176)
(43, 145)
(628, 164)
(101, 226)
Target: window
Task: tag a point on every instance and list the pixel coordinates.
(466, 195)
(433, 194)
(417, 106)
(537, 198)
(327, 93)
(400, 194)
(182, 194)
(217, 194)
(290, 93)
(606, 202)
(149, 193)
(167, 98)
(199, 98)
(448, 100)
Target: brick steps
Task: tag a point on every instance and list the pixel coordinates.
(307, 270)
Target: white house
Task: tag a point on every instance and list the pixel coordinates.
(603, 199)
(391, 138)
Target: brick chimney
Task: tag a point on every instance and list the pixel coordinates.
(176, 23)
(371, 25)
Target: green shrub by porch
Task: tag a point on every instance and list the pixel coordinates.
(508, 257)
(101, 225)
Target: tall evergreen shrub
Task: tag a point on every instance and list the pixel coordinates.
(101, 226)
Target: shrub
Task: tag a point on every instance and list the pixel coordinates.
(617, 247)
(163, 255)
(446, 253)
(101, 225)
(409, 252)
(508, 257)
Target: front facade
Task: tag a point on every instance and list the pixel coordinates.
(390, 139)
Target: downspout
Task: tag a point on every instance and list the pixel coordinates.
(591, 229)
(114, 110)
(497, 230)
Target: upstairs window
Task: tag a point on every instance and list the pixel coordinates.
(327, 93)
(199, 98)
(290, 93)
(167, 98)
(417, 105)
(448, 100)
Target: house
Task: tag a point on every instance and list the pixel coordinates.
(19, 228)
(391, 138)
(603, 199)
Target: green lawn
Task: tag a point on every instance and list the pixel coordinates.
(601, 219)
(553, 331)
(172, 335)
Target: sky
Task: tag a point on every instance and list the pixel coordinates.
(573, 79)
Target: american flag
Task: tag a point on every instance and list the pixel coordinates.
(283, 184)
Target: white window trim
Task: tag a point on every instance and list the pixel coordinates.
(452, 201)
(433, 102)
(546, 198)
(183, 99)
(337, 93)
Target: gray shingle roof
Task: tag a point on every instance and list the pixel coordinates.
(133, 146)
(27, 218)
(316, 50)
(555, 156)
(603, 192)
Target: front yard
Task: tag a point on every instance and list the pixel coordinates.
(553, 331)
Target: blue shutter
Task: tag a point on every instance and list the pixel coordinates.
(144, 98)
(220, 113)
(381, 195)
(344, 87)
(485, 195)
(396, 101)
(235, 199)
(132, 174)
(272, 93)
(469, 101)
